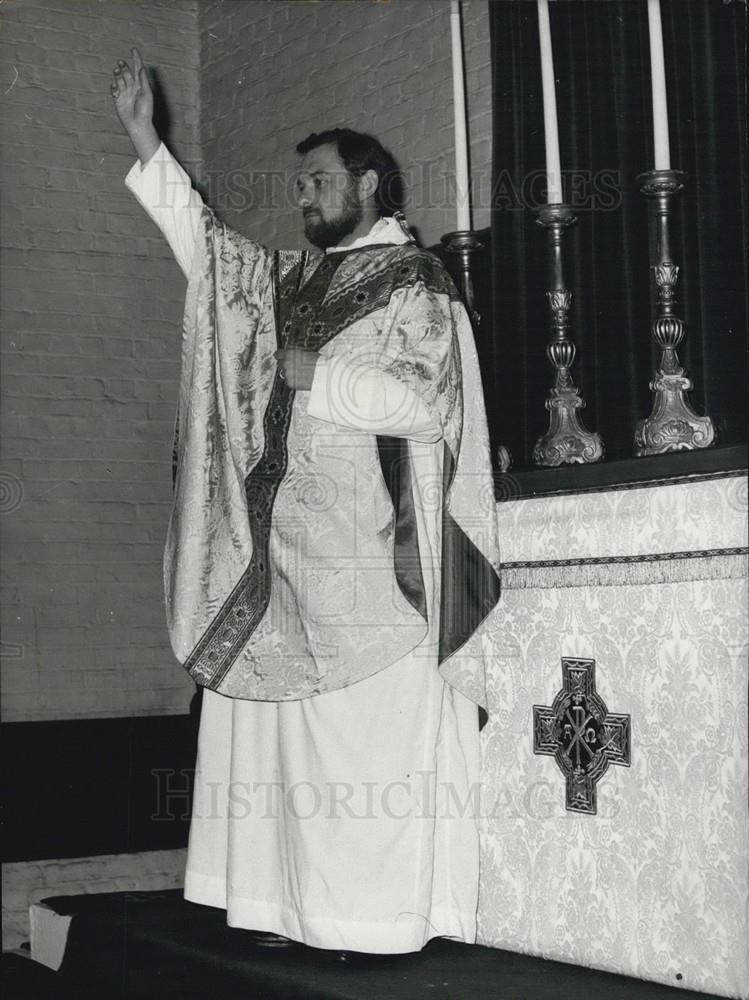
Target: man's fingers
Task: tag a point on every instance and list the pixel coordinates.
(118, 83)
(139, 71)
(125, 72)
(122, 72)
(126, 78)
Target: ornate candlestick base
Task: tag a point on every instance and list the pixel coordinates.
(673, 425)
(566, 440)
(463, 244)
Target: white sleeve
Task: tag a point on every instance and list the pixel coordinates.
(165, 191)
(365, 398)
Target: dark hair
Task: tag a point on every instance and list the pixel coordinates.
(361, 153)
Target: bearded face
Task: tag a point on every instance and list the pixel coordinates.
(328, 228)
(329, 197)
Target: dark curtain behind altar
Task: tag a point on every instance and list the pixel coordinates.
(602, 67)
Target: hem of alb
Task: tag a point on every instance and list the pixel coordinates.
(408, 932)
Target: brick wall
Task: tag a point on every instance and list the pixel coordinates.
(91, 318)
(273, 72)
(27, 882)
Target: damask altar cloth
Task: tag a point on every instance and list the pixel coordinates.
(651, 584)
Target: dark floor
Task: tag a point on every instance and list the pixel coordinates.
(148, 946)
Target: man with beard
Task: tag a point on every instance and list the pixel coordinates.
(330, 559)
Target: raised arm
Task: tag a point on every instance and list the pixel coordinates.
(133, 102)
(158, 182)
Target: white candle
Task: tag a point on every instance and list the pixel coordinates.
(658, 83)
(463, 203)
(551, 130)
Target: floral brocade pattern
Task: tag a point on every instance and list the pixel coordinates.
(668, 518)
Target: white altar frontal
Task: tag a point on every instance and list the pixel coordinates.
(615, 825)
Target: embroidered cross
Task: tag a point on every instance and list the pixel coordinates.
(581, 734)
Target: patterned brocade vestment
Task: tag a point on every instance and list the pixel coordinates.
(333, 506)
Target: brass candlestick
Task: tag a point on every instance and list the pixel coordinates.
(566, 440)
(673, 425)
(463, 244)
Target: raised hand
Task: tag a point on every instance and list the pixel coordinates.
(133, 97)
(133, 101)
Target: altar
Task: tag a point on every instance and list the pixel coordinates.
(626, 605)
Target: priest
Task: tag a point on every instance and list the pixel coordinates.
(331, 557)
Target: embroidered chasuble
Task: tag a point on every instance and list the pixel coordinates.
(306, 554)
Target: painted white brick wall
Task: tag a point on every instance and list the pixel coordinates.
(92, 306)
(26, 882)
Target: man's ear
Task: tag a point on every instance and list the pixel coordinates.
(368, 184)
